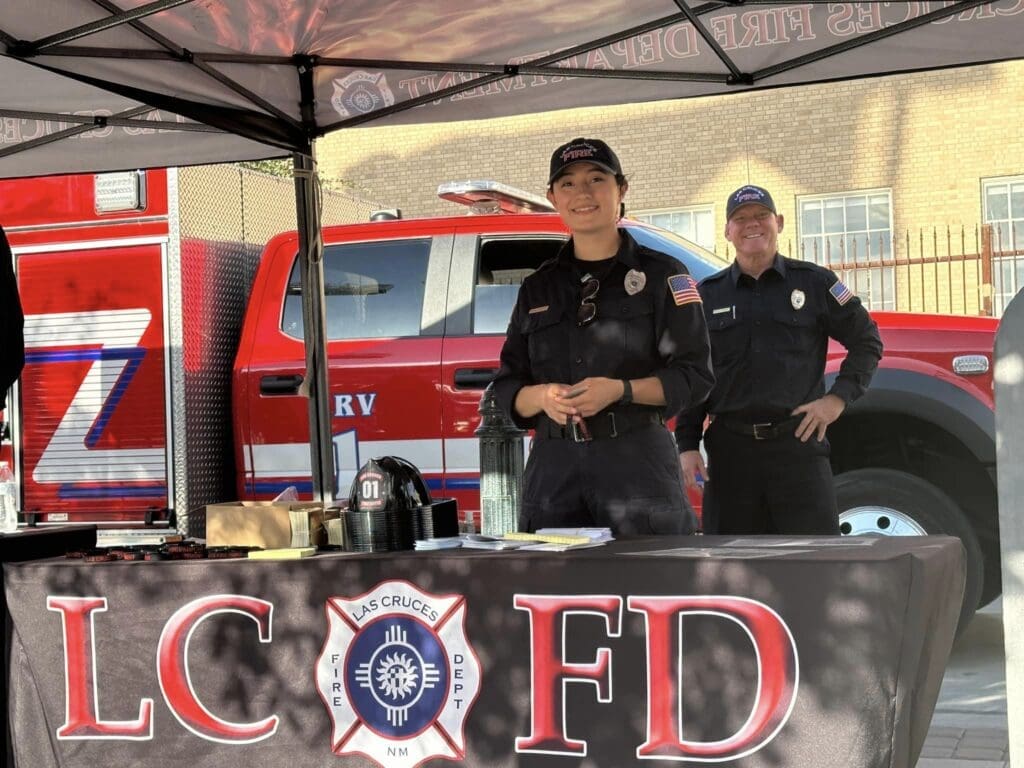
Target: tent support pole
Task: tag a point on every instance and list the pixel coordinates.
(311, 249)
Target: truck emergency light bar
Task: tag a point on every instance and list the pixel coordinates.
(492, 197)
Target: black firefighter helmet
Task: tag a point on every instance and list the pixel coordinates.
(387, 503)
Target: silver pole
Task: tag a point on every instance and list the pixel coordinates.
(315, 387)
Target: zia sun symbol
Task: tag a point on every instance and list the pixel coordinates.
(397, 676)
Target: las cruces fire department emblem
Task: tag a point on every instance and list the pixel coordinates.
(398, 675)
(361, 92)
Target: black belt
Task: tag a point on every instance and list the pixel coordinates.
(599, 426)
(766, 430)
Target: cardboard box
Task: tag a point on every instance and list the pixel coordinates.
(264, 524)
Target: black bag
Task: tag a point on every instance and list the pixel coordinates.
(12, 322)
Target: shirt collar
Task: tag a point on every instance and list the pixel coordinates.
(778, 264)
(627, 253)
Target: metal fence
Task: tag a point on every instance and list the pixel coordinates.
(951, 270)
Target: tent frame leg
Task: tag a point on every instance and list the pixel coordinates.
(315, 386)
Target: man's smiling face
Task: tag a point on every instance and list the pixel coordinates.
(754, 232)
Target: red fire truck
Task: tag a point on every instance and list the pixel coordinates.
(134, 287)
(123, 410)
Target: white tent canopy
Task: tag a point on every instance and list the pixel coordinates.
(283, 72)
(95, 85)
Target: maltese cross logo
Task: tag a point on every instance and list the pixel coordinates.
(398, 675)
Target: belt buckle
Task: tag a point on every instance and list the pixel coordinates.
(765, 434)
(579, 431)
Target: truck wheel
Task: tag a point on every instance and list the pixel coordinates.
(885, 502)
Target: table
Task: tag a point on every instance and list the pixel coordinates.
(750, 652)
(31, 544)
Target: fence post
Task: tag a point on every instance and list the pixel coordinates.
(987, 288)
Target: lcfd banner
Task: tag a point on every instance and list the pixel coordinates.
(767, 652)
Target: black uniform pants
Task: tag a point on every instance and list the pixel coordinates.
(778, 485)
(631, 483)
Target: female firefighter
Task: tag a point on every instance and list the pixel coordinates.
(606, 341)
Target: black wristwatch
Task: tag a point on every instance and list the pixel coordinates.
(627, 393)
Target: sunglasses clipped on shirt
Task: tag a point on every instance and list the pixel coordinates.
(588, 308)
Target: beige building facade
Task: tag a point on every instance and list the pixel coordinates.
(868, 173)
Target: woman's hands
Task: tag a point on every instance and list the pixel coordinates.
(562, 402)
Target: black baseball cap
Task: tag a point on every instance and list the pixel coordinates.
(749, 194)
(584, 151)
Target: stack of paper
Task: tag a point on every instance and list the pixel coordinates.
(284, 553)
(593, 534)
(550, 538)
(553, 546)
(136, 537)
(479, 541)
(446, 542)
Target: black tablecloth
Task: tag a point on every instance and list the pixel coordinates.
(768, 652)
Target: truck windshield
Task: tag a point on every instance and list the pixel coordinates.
(700, 262)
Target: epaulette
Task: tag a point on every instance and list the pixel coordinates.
(810, 266)
(717, 275)
(655, 255)
(547, 264)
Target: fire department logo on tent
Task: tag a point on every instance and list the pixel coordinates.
(361, 92)
(398, 675)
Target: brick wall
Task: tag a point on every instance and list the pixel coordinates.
(930, 138)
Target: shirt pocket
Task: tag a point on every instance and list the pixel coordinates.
(728, 339)
(795, 331)
(634, 318)
(545, 340)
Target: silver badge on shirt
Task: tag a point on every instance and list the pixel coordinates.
(797, 298)
(635, 282)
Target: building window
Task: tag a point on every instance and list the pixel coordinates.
(851, 234)
(695, 223)
(1004, 211)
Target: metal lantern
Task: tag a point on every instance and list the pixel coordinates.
(501, 468)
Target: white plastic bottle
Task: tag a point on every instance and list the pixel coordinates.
(8, 499)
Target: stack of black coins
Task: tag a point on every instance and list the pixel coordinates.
(367, 531)
(401, 529)
(424, 520)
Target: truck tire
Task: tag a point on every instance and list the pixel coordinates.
(885, 502)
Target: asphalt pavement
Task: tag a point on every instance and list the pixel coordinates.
(968, 728)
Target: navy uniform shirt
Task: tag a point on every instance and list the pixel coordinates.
(652, 332)
(769, 339)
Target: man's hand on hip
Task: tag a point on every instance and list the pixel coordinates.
(817, 415)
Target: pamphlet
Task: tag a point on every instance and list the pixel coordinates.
(480, 541)
(594, 534)
(430, 545)
(551, 546)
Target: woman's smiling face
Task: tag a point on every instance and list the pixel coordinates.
(587, 198)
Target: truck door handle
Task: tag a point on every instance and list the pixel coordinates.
(474, 378)
(280, 385)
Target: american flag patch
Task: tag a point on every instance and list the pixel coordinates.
(840, 293)
(684, 290)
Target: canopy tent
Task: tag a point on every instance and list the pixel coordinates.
(271, 75)
(95, 85)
